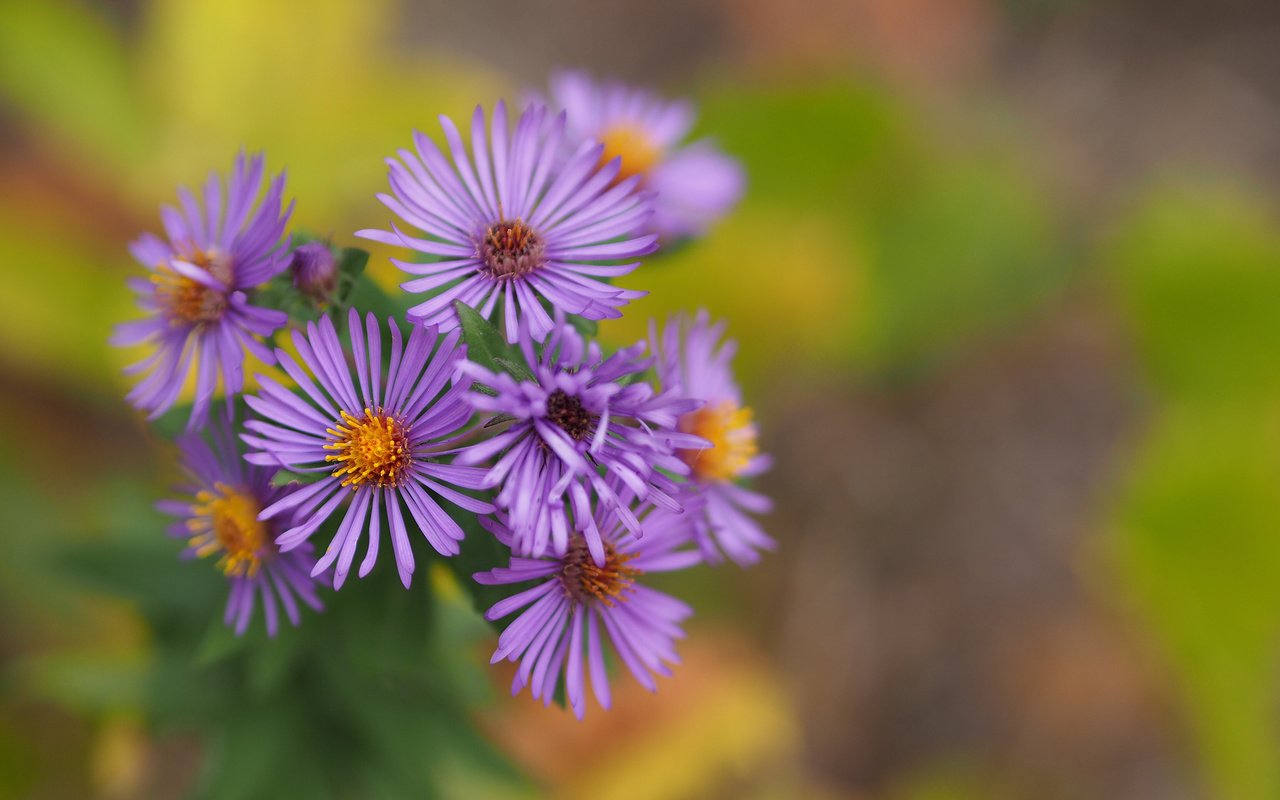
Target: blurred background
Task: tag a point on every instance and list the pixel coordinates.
(1007, 289)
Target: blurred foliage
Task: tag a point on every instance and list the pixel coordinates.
(866, 237)
(1194, 269)
(89, 105)
(371, 698)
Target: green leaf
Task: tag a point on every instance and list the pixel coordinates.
(220, 642)
(84, 681)
(636, 377)
(148, 572)
(286, 477)
(480, 552)
(488, 347)
(172, 423)
(1194, 271)
(351, 264)
(299, 238)
(280, 294)
(589, 328)
(367, 296)
(517, 369)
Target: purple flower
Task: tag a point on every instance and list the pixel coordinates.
(697, 366)
(577, 602)
(579, 412)
(381, 441)
(198, 317)
(515, 223)
(219, 517)
(695, 183)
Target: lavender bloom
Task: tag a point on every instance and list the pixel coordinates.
(198, 316)
(575, 597)
(515, 223)
(577, 414)
(696, 184)
(220, 517)
(697, 366)
(381, 444)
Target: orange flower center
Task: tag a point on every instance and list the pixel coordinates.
(732, 435)
(637, 150)
(226, 521)
(373, 448)
(581, 578)
(190, 301)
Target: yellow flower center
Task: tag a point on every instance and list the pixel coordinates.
(188, 300)
(581, 578)
(732, 435)
(373, 448)
(226, 521)
(638, 152)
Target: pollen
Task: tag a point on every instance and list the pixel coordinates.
(511, 250)
(732, 434)
(370, 449)
(189, 301)
(581, 578)
(226, 521)
(636, 148)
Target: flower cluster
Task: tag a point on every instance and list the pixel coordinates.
(495, 413)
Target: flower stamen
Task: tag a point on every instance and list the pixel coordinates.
(581, 578)
(187, 300)
(226, 521)
(373, 448)
(511, 250)
(732, 434)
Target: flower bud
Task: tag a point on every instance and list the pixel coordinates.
(315, 273)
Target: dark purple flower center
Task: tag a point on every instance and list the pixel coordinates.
(511, 250)
(581, 578)
(566, 411)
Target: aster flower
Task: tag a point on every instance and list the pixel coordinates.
(382, 441)
(695, 183)
(574, 599)
(199, 319)
(219, 517)
(696, 365)
(515, 223)
(577, 412)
